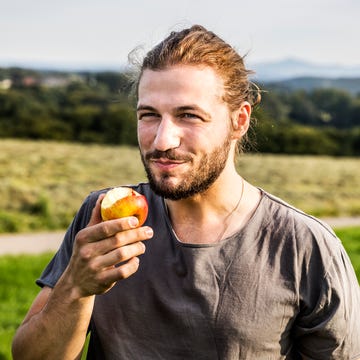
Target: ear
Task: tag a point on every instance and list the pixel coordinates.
(241, 120)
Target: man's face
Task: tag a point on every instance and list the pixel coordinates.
(183, 129)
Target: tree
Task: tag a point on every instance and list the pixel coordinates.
(334, 105)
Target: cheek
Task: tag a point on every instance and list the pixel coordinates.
(216, 135)
(145, 135)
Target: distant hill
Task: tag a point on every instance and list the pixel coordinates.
(283, 69)
(351, 85)
(293, 74)
(294, 68)
(288, 74)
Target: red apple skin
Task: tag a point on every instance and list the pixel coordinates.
(133, 205)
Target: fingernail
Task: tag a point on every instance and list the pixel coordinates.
(133, 222)
(149, 232)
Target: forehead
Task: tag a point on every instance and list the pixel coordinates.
(181, 81)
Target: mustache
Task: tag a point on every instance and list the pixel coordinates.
(170, 154)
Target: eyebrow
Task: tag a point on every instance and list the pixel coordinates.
(145, 107)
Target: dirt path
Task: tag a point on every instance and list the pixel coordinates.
(343, 221)
(32, 243)
(35, 243)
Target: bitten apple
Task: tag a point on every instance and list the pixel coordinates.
(124, 201)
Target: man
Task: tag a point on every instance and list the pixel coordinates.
(229, 272)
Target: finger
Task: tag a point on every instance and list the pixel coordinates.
(121, 272)
(121, 239)
(96, 213)
(122, 254)
(104, 229)
(110, 228)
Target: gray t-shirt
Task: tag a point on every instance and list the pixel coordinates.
(280, 288)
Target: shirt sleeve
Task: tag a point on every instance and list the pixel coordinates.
(59, 262)
(328, 325)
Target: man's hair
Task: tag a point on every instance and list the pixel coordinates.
(198, 46)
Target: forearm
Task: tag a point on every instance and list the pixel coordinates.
(58, 320)
(58, 330)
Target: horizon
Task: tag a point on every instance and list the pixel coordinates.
(78, 65)
(281, 70)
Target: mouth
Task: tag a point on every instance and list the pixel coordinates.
(166, 164)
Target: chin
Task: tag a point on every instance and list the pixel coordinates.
(165, 188)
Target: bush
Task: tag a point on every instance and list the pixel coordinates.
(9, 223)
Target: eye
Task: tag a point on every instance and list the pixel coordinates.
(148, 116)
(190, 116)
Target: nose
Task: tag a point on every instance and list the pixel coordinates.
(167, 135)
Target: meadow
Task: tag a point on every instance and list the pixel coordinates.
(17, 290)
(43, 183)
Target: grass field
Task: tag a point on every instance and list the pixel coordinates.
(43, 183)
(17, 290)
(18, 273)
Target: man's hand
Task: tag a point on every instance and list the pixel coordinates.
(105, 252)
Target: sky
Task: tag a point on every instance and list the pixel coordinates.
(101, 33)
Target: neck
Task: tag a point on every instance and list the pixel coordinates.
(209, 217)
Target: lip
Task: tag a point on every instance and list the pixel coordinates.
(166, 164)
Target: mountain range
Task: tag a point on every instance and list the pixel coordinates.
(293, 74)
(294, 68)
(282, 69)
(290, 73)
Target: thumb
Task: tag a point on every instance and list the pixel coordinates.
(96, 212)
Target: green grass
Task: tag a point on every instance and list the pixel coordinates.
(18, 274)
(43, 183)
(350, 238)
(17, 291)
(320, 185)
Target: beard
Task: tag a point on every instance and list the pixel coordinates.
(197, 180)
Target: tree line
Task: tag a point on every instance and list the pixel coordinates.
(97, 108)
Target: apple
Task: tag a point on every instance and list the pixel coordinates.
(124, 201)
